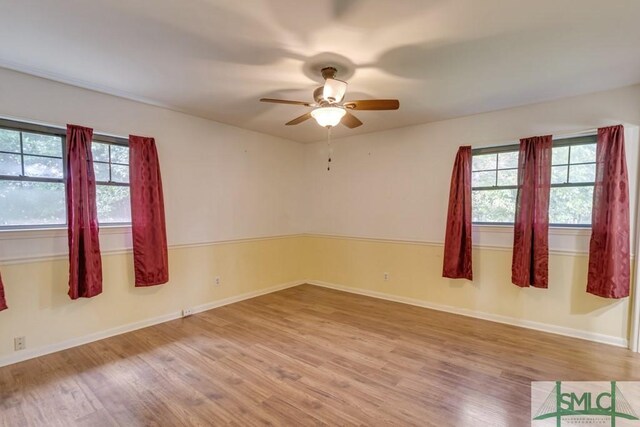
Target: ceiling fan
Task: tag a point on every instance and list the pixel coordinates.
(328, 110)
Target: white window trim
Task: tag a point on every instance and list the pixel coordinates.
(553, 229)
(53, 232)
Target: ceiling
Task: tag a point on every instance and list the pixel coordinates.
(216, 58)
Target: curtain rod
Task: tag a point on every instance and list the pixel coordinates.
(578, 133)
(54, 126)
(561, 135)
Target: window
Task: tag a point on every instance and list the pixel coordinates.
(32, 177)
(111, 167)
(32, 189)
(495, 183)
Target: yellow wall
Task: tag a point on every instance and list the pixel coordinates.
(40, 309)
(415, 276)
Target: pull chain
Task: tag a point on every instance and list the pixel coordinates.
(329, 149)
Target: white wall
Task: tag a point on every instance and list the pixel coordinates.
(224, 189)
(382, 209)
(223, 184)
(395, 184)
(220, 182)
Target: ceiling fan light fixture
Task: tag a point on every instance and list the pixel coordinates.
(334, 90)
(328, 116)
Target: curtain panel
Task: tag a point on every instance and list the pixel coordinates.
(3, 301)
(457, 243)
(85, 264)
(150, 254)
(530, 262)
(609, 248)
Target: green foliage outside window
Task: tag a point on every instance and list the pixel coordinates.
(32, 188)
(495, 184)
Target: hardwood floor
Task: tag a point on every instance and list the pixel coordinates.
(305, 356)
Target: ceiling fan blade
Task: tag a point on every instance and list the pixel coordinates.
(300, 119)
(334, 90)
(373, 104)
(351, 121)
(286, 101)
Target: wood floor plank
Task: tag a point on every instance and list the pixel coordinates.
(304, 356)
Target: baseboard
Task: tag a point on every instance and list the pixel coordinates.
(21, 356)
(544, 327)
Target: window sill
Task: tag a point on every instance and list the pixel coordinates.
(553, 230)
(43, 233)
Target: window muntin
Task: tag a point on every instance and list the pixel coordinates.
(495, 186)
(491, 170)
(32, 177)
(30, 155)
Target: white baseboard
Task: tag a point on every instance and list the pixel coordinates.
(544, 327)
(21, 356)
(529, 324)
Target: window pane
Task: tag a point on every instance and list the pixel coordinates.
(508, 177)
(582, 173)
(10, 164)
(100, 152)
(101, 170)
(32, 203)
(483, 179)
(494, 205)
(583, 153)
(120, 173)
(44, 167)
(559, 174)
(571, 205)
(46, 145)
(508, 160)
(484, 161)
(119, 154)
(9, 140)
(113, 204)
(560, 155)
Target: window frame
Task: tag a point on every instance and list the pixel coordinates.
(560, 142)
(62, 134)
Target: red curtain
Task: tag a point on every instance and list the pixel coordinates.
(457, 242)
(85, 264)
(3, 301)
(609, 251)
(530, 263)
(150, 256)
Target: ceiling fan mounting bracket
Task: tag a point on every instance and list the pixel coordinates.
(328, 72)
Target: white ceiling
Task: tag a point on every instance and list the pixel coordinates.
(216, 58)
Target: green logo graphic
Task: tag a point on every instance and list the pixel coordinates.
(610, 403)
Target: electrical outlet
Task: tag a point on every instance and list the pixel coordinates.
(386, 277)
(187, 312)
(19, 343)
(217, 280)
